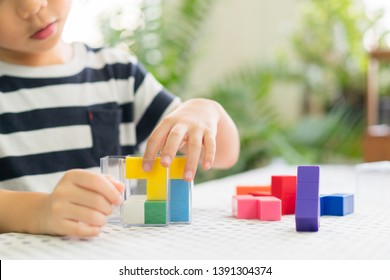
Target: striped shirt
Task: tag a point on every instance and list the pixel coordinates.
(58, 117)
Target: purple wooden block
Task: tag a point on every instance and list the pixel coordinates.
(308, 190)
(309, 173)
(307, 214)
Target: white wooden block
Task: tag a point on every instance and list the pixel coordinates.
(133, 210)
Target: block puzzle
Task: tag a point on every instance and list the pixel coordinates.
(158, 197)
(339, 204)
(284, 188)
(275, 200)
(307, 212)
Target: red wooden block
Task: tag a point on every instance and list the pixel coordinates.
(284, 187)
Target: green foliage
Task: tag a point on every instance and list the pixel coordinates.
(167, 42)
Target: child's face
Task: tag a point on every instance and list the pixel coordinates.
(31, 27)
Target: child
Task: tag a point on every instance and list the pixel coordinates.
(64, 106)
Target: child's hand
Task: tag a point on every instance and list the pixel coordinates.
(192, 127)
(80, 204)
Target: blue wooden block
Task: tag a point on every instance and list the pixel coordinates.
(322, 205)
(307, 214)
(180, 190)
(339, 204)
(179, 211)
(308, 174)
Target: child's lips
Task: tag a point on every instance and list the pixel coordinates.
(45, 32)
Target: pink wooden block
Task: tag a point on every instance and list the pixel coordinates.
(269, 208)
(244, 206)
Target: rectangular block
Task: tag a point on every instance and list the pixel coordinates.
(269, 208)
(322, 205)
(244, 206)
(253, 189)
(156, 213)
(308, 174)
(337, 204)
(134, 169)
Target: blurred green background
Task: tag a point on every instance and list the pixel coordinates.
(319, 75)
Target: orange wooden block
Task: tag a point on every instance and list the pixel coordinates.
(252, 189)
(261, 193)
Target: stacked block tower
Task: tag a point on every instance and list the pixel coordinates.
(307, 212)
(158, 197)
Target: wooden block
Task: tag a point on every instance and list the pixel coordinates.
(339, 204)
(156, 212)
(134, 169)
(244, 207)
(156, 189)
(177, 168)
(241, 189)
(269, 208)
(133, 210)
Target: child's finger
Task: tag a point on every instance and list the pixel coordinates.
(175, 139)
(194, 150)
(97, 183)
(75, 228)
(209, 150)
(154, 144)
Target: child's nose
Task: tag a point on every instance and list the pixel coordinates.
(28, 8)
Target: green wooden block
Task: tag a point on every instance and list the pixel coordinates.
(155, 212)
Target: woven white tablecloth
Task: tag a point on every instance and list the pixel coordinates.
(215, 234)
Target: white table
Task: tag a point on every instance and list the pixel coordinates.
(215, 234)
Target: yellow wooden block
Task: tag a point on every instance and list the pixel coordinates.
(156, 189)
(177, 168)
(134, 169)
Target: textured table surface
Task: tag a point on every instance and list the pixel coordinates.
(215, 234)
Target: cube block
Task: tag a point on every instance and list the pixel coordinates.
(156, 189)
(133, 210)
(155, 212)
(269, 208)
(179, 211)
(180, 201)
(244, 206)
